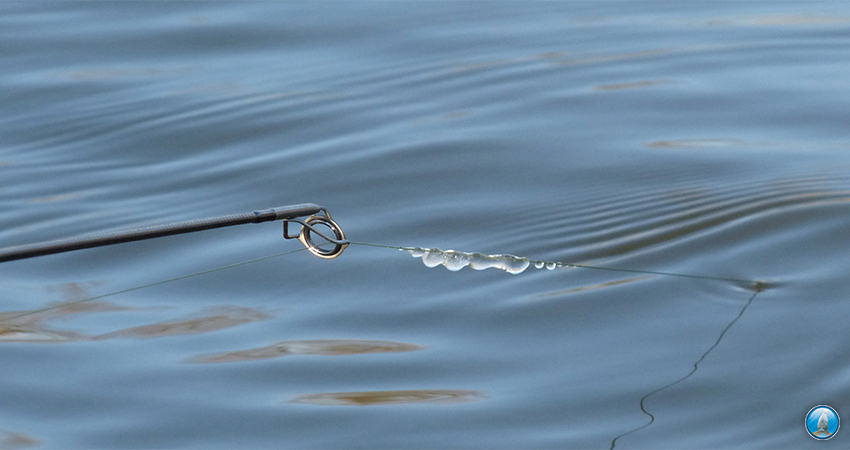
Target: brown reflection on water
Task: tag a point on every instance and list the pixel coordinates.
(631, 85)
(30, 326)
(10, 440)
(703, 143)
(328, 347)
(595, 286)
(37, 334)
(712, 143)
(216, 319)
(432, 396)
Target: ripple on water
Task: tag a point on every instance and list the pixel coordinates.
(38, 335)
(218, 319)
(592, 287)
(30, 326)
(611, 224)
(328, 347)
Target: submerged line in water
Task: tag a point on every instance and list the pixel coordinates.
(455, 260)
(643, 399)
(156, 283)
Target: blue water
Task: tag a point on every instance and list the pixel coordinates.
(702, 138)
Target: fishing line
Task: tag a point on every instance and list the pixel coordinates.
(156, 283)
(643, 399)
(471, 258)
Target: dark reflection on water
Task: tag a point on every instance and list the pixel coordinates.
(328, 347)
(35, 333)
(212, 320)
(436, 396)
(11, 441)
(31, 327)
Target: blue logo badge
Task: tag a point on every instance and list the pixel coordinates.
(822, 422)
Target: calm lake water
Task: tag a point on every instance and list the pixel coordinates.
(702, 138)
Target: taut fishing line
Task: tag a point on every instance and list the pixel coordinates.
(431, 257)
(455, 260)
(156, 283)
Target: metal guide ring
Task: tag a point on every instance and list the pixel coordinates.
(306, 238)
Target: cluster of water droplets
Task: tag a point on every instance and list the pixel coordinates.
(455, 260)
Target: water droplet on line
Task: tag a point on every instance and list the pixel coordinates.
(455, 260)
(432, 259)
(416, 252)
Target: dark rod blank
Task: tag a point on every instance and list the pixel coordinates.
(138, 234)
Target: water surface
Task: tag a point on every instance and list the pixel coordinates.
(693, 138)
